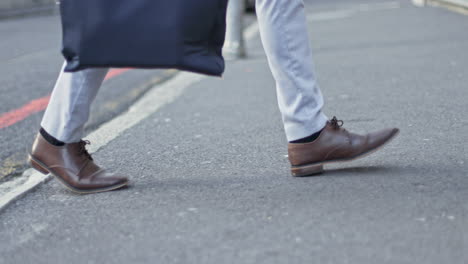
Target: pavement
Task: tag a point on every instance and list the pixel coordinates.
(210, 179)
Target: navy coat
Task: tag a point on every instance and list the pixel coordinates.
(183, 34)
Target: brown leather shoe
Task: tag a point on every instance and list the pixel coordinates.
(335, 144)
(73, 166)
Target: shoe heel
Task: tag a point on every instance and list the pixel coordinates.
(304, 171)
(37, 167)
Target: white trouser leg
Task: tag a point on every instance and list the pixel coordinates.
(69, 106)
(283, 28)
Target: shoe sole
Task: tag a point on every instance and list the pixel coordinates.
(317, 168)
(42, 168)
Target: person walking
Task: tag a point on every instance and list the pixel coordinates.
(314, 140)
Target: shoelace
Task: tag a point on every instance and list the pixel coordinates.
(83, 150)
(336, 123)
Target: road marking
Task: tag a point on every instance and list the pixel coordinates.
(419, 3)
(115, 72)
(331, 15)
(20, 186)
(151, 102)
(37, 105)
(157, 97)
(345, 13)
(14, 116)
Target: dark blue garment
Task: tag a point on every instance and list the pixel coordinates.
(183, 34)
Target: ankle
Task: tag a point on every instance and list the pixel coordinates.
(307, 139)
(49, 138)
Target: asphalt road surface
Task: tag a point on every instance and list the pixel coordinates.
(210, 181)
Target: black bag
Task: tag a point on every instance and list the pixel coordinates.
(183, 34)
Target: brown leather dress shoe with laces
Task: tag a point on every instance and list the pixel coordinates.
(73, 166)
(335, 144)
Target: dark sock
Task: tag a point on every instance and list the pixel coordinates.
(308, 139)
(50, 138)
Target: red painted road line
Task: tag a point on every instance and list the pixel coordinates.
(114, 72)
(14, 116)
(37, 105)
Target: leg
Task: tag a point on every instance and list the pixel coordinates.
(69, 105)
(64, 121)
(283, 28)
